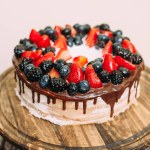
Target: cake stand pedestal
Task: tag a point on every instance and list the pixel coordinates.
(130, 130)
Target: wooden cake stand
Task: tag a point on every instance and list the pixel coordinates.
(129, 130)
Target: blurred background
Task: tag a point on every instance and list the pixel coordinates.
(18, 17)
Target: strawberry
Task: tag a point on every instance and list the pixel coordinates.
(92, 77)
(26, 54)
(124, 63)
(54, 73)
(108, 33)
(76, 74)
(128, 45)
(36, 54)
(109, 64)
(43, 42)
(63, 54)
(61, 42)
(107, 48)
(92, 37)
(34, 36)
(58, 30)
(80, 61)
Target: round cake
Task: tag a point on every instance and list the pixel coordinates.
(77, 74)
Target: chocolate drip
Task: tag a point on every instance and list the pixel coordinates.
(38, 96)
(19, 86)
(76, 105)
(136, 86)
(84, 107)
(48, 100)
(15, 76)
(33, 96)
(64, 105)
(95, 101)
(54, 100)
(129, 94)
(23, 87)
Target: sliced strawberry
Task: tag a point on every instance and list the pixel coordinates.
(108, 33)
(80, 61)
(63, 54)
(109, 64)
(26, 54)
(58, 30)
(92, 77)
(54, 73)
(34, 36)
(36, 54)
(108, 48)
(61, 42)
(124, 63)
(92, 37)
(76, 74)
(128, 45)
(43, 42)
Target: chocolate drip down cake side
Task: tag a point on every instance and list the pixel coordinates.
(77, 74)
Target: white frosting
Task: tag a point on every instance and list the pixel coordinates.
(54, 113)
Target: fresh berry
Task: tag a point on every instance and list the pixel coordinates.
(28, 67)
(36, 54)
(118, 39)
(47, 28)
(90, 63)
(18, 50)
(77, 40)
(109, 64)
(136, 59)
(58, 30)
(104, 76)
(76, 26)
(72, 89)
(84, 69)
(49, 49)
(87, 28)
(98, 59)
(124, 63)
(61, 42)
(66, 32)
(124, 53)
(80, 61)
(24, 41)
(24, 62)
(70, 41)
(64, 71)
(125, 72)
(46, 66)
(34, 74)
(117, 33)
(97, 66)
(103, 38)
(104, 27)
(83, 86)
(128, 45)
(108, 33)
(43, 42)
(92, 77)
(63, 54)
(50, 32)
(99, 44)
(83, 29)
(57, 85)
(26, 54)
(76, 74)
(116, 47)
(59, 63)
(34, 36)
(108, 48)
(116, 77)
(42, 32)
(54, 73)
(31, 47)
(92, 37)
(44, 81)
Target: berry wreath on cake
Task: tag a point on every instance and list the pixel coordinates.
(77, 74)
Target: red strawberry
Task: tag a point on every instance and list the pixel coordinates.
(63, 54)
(127, 44)
(34, 36)
(80, 61)
(26, 54)
(107, 48)
(54, 73)
(92, 77)
(109, 64)
(58, 30)
(76, 74)
(43, 42)
(61, 42)
(124, 63)
(108, 33)
(92, 37)
(36, 54)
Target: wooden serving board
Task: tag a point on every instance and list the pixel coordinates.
(128, 131)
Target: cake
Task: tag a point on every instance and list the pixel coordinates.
(77, 74)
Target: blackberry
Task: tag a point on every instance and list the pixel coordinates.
(124, 53)
(104, 76)
(34, 74)
(72, 89)
(100, 44)
(57, 85)
(18, 50)
(46, 66)
(125, 72)
(136, 59)
(24, 63)
(116, 47)
(49, 49)
(28, 67)
(66, 31)
(116, 77)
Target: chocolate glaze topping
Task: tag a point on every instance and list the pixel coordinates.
(108, 92)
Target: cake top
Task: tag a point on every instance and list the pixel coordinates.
(76, 58)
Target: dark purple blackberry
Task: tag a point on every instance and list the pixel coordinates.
(49, 49)
(46, 66)
(124, 53)
(18, 50)
(116, 47)
(125, 72)
(57, 85)
(136, 59)
(116, 77)
(99, 44)
(72, 89)
(104, 76)
(34, 74)
(24, 63)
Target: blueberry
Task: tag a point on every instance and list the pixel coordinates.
(118, 39)
(72, 89)
(98, 59)
(104, 27)
(66, 31)
(103, 37)
(28, 68)
(48, 27)
(125, 72)
(49, 49)
(97, 66)
(70, 41)
(83, 69)
(42, 32)
(50, 32)
(18, 50)
(25, 41)
(32, 47)
(59, 63)
(77, 40)
(64, 71)
(44, 81)
(117, 33)
(76, 26)
(87, 28)
(116, 47)
(83, 86)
